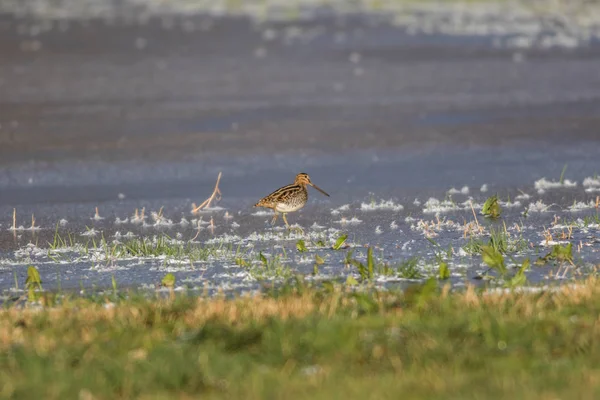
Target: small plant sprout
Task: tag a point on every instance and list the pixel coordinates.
(340, 242)
(114, 285)
(272, 268)
(559, 254)
(493, 259)
(520, 278)
(409, 269)
(300, 246)
(491, 208)
(14, 225)
(33, 282)
(348, 258)
(562, 174)
(351, 281)
(443, 271)
(168, 281)
(214, 197)
(366, 272)
(318, 261)
(33, 278)
(239, 261)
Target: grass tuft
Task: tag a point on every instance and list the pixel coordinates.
(308, 342)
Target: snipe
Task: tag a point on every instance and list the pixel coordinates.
(289, 198)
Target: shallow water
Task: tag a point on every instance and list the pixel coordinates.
(122, 116)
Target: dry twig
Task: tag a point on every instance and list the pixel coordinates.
(215, 196)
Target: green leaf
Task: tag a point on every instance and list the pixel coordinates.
(319, 260)
(348, 259)
(517, 280)
(300, 246)
(241, 262)
(340, 242)
(362, 270)
(562, 174)
(351, 281)
(365, 302)
(524, 267)
(493, 259)
(328, 286)
(320, 243)
(370, 263)
(563, 253)
(558, 253)
(33, 278)
(315, 269)
(443, 271)
(263, 259)
(419, 294)
(491, 208)
(520, 278)
(168, 280)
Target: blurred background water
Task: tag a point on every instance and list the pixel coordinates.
(151, 94)
(126, 104)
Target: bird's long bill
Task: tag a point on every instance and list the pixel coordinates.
(319, 189)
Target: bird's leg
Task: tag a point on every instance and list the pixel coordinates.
(290, 228)
(285, 220)
(275, 218)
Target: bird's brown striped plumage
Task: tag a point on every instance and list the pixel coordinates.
(289, 198)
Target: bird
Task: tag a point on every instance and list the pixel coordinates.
(289, 198)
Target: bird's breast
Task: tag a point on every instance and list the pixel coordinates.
(289, 207)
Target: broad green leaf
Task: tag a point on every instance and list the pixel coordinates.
(300, 246)
(263, 259)
(491, 208)
(319, 260)
(419, 294)
(340, 242)
(443, 271)
(518, 280)
(351, 281)
(558, 253)
(328, 286)
(33, 278)
(362, 270)
(168, 280)
(525, 266)
(493, 259)
(348, 259)
(563, 253)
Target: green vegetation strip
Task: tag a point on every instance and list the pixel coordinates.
(307, 343)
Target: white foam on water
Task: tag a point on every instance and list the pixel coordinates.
(382, 205)
(539, 206)
(541, 185)
(464, 190)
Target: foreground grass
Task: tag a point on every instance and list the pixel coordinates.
(309, 343)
